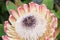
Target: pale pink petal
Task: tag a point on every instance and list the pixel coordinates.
(12, 19)
(5, 37)
(54, 21)
(32, 7)
(14, 13)
(26, 9)
(20, 11)
(5, 25)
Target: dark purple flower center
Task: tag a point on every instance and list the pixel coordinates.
(29, 21)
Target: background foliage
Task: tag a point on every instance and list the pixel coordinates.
(53, 5)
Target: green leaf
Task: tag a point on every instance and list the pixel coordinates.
(4, 8)
(27, 1)
(48, 3)
(58, 14)
(2, 19)
(58, 37)
(58, 23)
(0, 38)
(37, 1)
(10, 5)
(18, 2)
(1, 30)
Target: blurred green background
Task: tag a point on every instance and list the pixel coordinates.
(53, 5)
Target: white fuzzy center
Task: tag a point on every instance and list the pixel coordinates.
(31, 34)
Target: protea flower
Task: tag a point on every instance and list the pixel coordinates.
(33, 22)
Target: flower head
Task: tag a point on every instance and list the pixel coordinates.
(30, 22)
